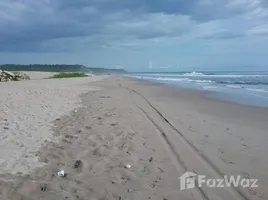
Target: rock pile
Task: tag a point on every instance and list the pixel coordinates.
(12, 76)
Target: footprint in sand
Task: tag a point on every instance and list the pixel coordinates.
(88, 127)
(99, 152)
(245, 175)
(190, 128)
(114, 124)
(252, 192)
(92, 143)
(66, 141)
(155, 182)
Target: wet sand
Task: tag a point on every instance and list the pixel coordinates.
(161, 132)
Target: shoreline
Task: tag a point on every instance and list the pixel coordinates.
(209, 95)
(198, 98)
(228, 96)
(161, 132)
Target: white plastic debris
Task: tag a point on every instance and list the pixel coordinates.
(128, 166)
(61, 174)
(75, 111)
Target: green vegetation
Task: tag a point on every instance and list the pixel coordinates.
(69, 75)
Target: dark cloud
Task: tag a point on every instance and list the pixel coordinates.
(58, 25)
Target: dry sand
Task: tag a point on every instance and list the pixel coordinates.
(39, 75)
(27, 110)
(160, 132)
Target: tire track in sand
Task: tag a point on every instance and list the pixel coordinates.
(236, 193)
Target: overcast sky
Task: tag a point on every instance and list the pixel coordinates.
(137, 35)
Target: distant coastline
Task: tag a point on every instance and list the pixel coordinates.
(59, 68)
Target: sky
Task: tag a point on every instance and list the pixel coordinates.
(137, 35)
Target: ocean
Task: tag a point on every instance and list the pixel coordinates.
(249, 88)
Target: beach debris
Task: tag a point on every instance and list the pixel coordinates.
(75, 111)
(12, 76)
(131, 190)
(61, 174)
(43, 187)
(150, 159)
(77, 164)
(128, 166)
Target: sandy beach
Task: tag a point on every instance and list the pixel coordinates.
(122, 139)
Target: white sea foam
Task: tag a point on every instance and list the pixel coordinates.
(194, 74)
(234, 86)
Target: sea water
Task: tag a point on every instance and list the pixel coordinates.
(248, 87)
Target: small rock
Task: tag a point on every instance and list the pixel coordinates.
(128, 166)
(10, 76)
(131, 190)
(61, 174)
(150, 159)
(18, 76)
(6, 128)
